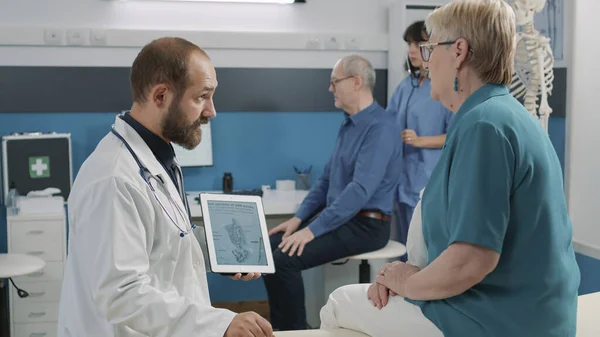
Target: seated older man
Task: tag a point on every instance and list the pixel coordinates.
(500, 259)
(352, 201)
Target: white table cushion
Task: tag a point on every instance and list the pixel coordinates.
(12, 265)
(320, 333)
(588, 314)
(392, 249)
(588, 325)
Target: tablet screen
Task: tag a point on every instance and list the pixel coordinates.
(236, 232)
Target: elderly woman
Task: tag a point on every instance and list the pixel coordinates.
(500, 260)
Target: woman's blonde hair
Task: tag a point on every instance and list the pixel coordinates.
(488, 26)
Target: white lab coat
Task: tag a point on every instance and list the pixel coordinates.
(128, 272)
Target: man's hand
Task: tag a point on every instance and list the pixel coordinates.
(246, 277)
(410, 137)
(297, 241)
(394, 276)
(249, 324)
(379, 294)
(288, 227)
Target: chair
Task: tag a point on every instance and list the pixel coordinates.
(391, 250)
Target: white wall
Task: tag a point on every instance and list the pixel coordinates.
(368, 16)
(583, 129)
(265, 32)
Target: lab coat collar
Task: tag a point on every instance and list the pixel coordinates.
(161, 149)
(138, 146)
(147, 158)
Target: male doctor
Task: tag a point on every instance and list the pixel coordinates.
(134, 266)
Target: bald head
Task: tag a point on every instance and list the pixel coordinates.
(356, 65)
(163, 61)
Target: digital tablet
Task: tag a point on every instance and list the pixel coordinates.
(236, 234)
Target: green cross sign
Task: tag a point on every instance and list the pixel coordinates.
(39, 167)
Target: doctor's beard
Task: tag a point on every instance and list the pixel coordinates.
(178, 130)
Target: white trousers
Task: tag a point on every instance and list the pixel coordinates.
(348, 307)
(415, 242)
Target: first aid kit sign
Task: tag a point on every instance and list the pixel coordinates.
(39, 167)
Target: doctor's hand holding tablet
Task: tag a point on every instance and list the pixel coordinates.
(237, 239)
(245, 277)
(238, 244)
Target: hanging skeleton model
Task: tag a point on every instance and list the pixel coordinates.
(534, 62)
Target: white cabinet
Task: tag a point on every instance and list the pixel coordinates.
(44, 236)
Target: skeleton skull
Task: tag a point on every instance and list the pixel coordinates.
(525, 9)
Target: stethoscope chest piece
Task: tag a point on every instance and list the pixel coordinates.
(182, 234)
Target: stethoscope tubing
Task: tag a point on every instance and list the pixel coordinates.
(145, 173)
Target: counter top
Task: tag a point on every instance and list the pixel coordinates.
(275, 202)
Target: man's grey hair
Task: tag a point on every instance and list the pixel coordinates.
(356, 65)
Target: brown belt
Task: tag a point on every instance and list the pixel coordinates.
(375, 215)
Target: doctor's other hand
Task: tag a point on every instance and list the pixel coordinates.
(288, 227)
(245, 277)
(249, 324)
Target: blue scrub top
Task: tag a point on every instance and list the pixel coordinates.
(498, 184)
(414, 109)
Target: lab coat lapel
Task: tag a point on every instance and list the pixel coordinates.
(148, 159)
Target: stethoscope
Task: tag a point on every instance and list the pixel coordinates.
(145, 173)
(414, 77)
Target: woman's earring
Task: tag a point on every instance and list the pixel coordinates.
(456, 83)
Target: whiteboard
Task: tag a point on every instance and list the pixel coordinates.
(201, 155)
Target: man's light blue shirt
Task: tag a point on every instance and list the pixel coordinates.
(360, 174)
(414, 109)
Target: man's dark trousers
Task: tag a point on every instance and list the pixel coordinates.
(286, 288)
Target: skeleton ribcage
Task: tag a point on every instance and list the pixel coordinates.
(526, 75)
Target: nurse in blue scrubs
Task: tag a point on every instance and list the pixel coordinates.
(424, 123)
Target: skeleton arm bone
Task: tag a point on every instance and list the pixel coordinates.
(545, 109)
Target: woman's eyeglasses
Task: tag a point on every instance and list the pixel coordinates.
(427, 48)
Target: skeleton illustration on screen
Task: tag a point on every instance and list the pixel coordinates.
(534, 62)
(238, 238)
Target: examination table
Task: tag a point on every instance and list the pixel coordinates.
(588, 322)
